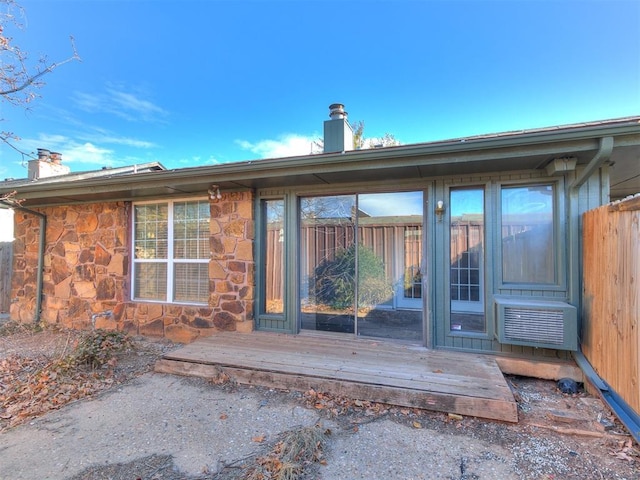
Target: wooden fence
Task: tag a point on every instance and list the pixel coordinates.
(6, 255)
(320, 240)
(610, 330)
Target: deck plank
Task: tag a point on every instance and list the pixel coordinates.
(387, 375)
(467, 384)
(362, 354)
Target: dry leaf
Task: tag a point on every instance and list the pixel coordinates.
(223, 416)
(437, 371)
(622, 456)
(626, 452)
(259, 438)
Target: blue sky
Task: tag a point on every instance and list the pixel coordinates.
(191, 83)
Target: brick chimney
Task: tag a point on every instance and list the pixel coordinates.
(338, 134)
(48, 164)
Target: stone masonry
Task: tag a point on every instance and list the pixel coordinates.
(87, 272)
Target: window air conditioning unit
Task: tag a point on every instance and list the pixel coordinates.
(536, 323)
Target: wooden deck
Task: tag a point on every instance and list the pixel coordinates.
(410, 376)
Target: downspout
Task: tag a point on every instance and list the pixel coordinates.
(629, 418)
(41, 247)
(601, 156)
(575, 220)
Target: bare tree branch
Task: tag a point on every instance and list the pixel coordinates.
(17, 79)
(48, 69)
(9, 198)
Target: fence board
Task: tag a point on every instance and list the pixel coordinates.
(6, 256)
(611, 256)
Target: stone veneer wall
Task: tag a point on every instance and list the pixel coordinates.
(87, 272)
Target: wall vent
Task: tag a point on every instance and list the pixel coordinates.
(536, 323)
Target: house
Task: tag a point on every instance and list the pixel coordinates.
(470, 244)
(46, 168)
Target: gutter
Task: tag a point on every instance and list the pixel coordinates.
(41, 247)
(629, 418)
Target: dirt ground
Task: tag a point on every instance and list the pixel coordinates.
(558, 435)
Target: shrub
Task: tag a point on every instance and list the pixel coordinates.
(98, 347)
(334, 280)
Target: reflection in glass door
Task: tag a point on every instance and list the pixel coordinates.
(390, 238)
(466, 269)
(361, 264)
(409, 289)
(327, 263)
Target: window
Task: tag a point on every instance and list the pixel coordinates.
(528, 246)
(171, 251)
(273, 211)
(466, 262)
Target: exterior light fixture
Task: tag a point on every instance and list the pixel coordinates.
(440, 210)
(214, 193)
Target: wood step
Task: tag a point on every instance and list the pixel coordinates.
(409, 376)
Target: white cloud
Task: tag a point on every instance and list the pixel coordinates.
(193, 161)
(51, 141)
(85, 151)
(289, 145)
(129, 101)
(86, 148)
(73, 151)
(12, 166)
(88, 102)
(391, 204)
(213, 161)
(197, 160)
(116, 101)
(90, 154)
(127, 141)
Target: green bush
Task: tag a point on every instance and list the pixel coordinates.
(334, 280)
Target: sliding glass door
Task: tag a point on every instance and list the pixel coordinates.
(327, 263)
(361, 264)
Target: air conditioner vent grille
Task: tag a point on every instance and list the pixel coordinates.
(536, 322)
(535, 325)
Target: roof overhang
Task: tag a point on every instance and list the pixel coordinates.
(511, 151)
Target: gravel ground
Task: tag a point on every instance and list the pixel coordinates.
(160, 427)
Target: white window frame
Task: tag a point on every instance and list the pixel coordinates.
(170, 261)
